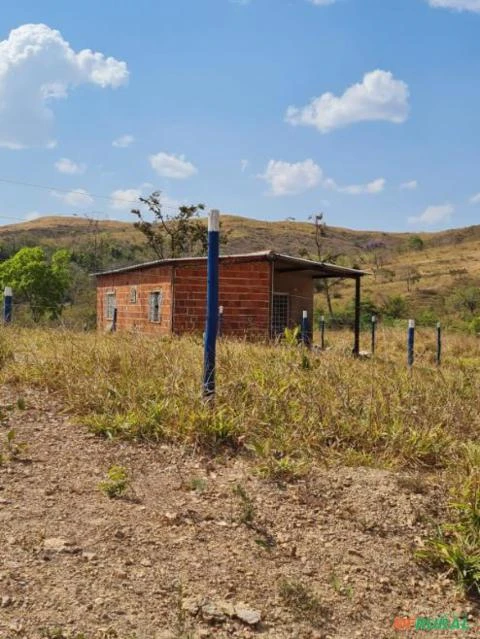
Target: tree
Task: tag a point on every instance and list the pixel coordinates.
(395, 307)
(415, 243)
(467, 299)
(170, 236)
(411, 275)
(376, 255)
(326, 284)
(43, 284)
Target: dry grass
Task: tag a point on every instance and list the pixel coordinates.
(284, 408)
(269, 403)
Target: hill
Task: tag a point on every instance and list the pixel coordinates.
(426, 269)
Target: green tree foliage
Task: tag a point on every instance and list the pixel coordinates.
(178, 235)
(415, 243)
(42, 283)
(395, 307)
(467, 299)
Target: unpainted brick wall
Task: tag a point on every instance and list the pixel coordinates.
(134, 316)
(244, 293)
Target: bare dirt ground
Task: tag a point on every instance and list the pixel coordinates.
(186, 553)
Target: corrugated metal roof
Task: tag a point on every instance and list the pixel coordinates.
(302, 264)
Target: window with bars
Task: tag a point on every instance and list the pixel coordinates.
(133, 295)
(279, 314)
(154, 306)
(110, 305)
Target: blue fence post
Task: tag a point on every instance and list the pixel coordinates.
(7, 305)
(439, 344)
(212, 304)
(220, 321)
(411, 342)
(305, 338)
(322, 332)
(374, 330)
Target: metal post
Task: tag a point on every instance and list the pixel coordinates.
(7, 305)
(212, 304)
(439, 344)
(114, 320)
(220, 320)
(374, 327)
(356, 344)
(305, 339)
(411, 342)
(322, 332)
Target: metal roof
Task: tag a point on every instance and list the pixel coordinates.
(287, 262)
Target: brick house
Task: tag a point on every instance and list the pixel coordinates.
(261, 294)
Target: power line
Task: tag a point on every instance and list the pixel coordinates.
(80, 191)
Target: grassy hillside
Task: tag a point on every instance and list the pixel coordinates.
(425, 269)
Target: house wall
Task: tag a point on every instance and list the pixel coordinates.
(244, 292)
(135, 316)
(300, 289)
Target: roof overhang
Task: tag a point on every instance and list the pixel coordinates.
(283, 263)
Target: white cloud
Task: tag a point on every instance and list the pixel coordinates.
(125, 198)
(433, 215)
(64, 165)
(76, 197)
(378, 97)
(172, 166)
(475, 199)
(376, 186)
(244, 165)
(123, 141)
(409, 186)
(37, 66)
(287, 178)
(456, 5)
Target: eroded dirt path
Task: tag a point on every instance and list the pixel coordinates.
(327, 557)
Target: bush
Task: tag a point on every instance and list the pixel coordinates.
(395, 307)
(475, 326)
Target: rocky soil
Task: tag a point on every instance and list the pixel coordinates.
(203, 548)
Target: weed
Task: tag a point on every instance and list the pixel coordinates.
(456, 546)
(303, 603)
(21, 403)
(116, 483)
(247, 509)
(197, 484)
(340, 587)
(14, 448)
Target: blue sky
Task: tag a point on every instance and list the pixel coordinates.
(367, 110)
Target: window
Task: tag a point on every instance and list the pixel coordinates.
(279, 314)
(110, 304)
(133, 295)
(154, 306)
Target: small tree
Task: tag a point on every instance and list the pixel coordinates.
(171, 236)
(415, 243)
(376, 252)
(43, 284)
(467, 299)
(323, 255)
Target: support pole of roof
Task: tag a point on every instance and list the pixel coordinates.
(356, 343)
(212, 304)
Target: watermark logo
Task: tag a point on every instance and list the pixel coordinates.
(443, 622)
